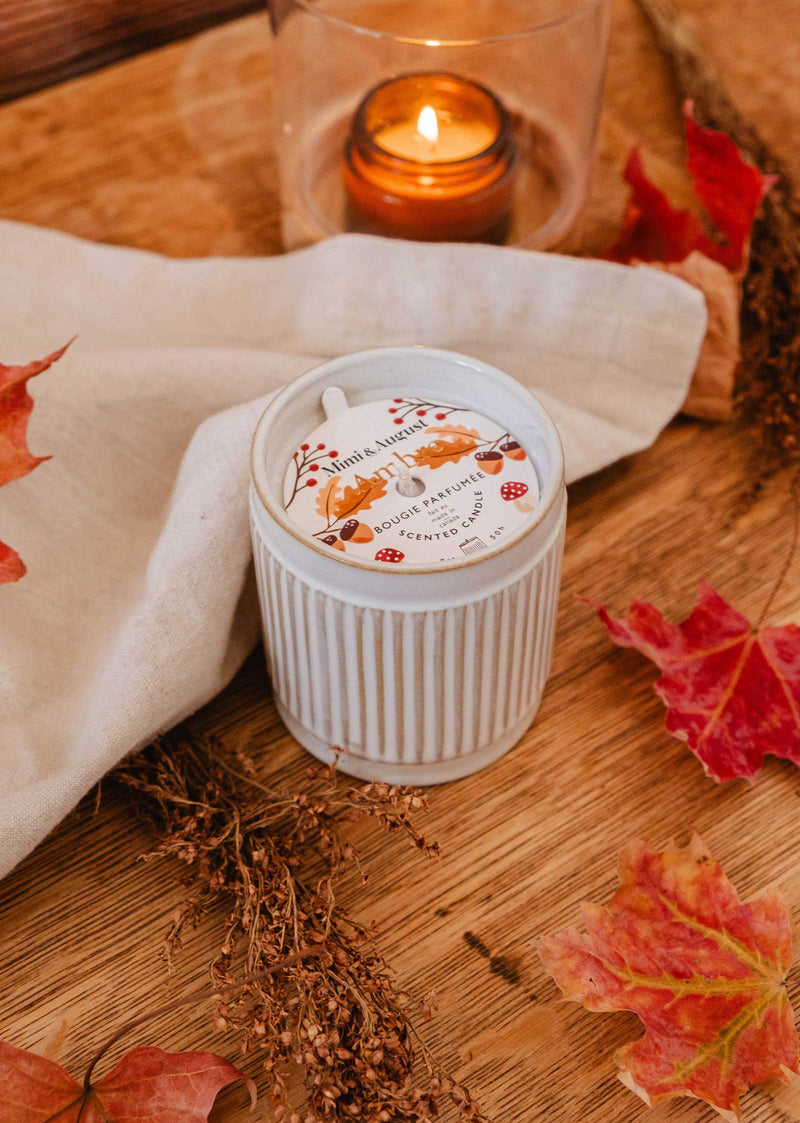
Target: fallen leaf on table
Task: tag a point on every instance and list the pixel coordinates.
(146, 1086)
(16, 459)
(730, 191)
(652, 229)
(711, 391)
(728, 188)
(704, 972)
(12, 566)
(16, 405)
(732, 691)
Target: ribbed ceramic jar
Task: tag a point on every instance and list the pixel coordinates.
(419, 673)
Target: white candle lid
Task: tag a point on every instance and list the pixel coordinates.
(373, 379)
(410, 480)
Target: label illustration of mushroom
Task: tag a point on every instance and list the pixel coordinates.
(513, 492)
(388, 554)
(513, 450)
(491, 462)
(354, 531)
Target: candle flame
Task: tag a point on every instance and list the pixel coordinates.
(428, 124)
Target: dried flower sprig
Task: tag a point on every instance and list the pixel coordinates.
(276, 857)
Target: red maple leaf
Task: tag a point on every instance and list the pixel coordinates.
(732, 691)
(704, 972)
(146, 1086)
(12, 567)
(16, 459)
(728, 188)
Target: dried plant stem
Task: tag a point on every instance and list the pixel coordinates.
(188, 1000)
(770, 390)
(696, 79)
(791, 553)
(274, 858)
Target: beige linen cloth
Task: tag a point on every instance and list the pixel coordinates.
(138, 606)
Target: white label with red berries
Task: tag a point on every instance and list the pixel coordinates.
(468, 483)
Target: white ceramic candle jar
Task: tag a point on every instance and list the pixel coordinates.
(407, 534)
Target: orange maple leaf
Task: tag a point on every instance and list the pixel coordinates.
(704, 972)
(455, 443)
(16, 459)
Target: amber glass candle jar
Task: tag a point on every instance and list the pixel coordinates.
(431, 157)
(470, 67)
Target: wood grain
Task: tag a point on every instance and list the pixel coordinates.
(43, 42)
(170, 151)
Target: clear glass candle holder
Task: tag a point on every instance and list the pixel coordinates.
(511, 90)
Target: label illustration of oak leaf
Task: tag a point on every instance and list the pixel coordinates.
(359, 498)
(732, 691)
(326, 499)
(455, 443)
(704, 973)
(147, 1085)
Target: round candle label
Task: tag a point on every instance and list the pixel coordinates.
(410, 481)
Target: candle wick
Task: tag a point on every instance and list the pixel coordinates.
(407, 485)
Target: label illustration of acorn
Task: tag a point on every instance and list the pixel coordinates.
(514, 492)
(513, 450)
(491, 462)
(388, 554)
(354, 531)
(332, 540)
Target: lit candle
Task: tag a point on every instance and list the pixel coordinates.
(426, 141)
(431, 157)
(407, 511)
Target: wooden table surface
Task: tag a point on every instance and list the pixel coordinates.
(48, 41)
(171, 151)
